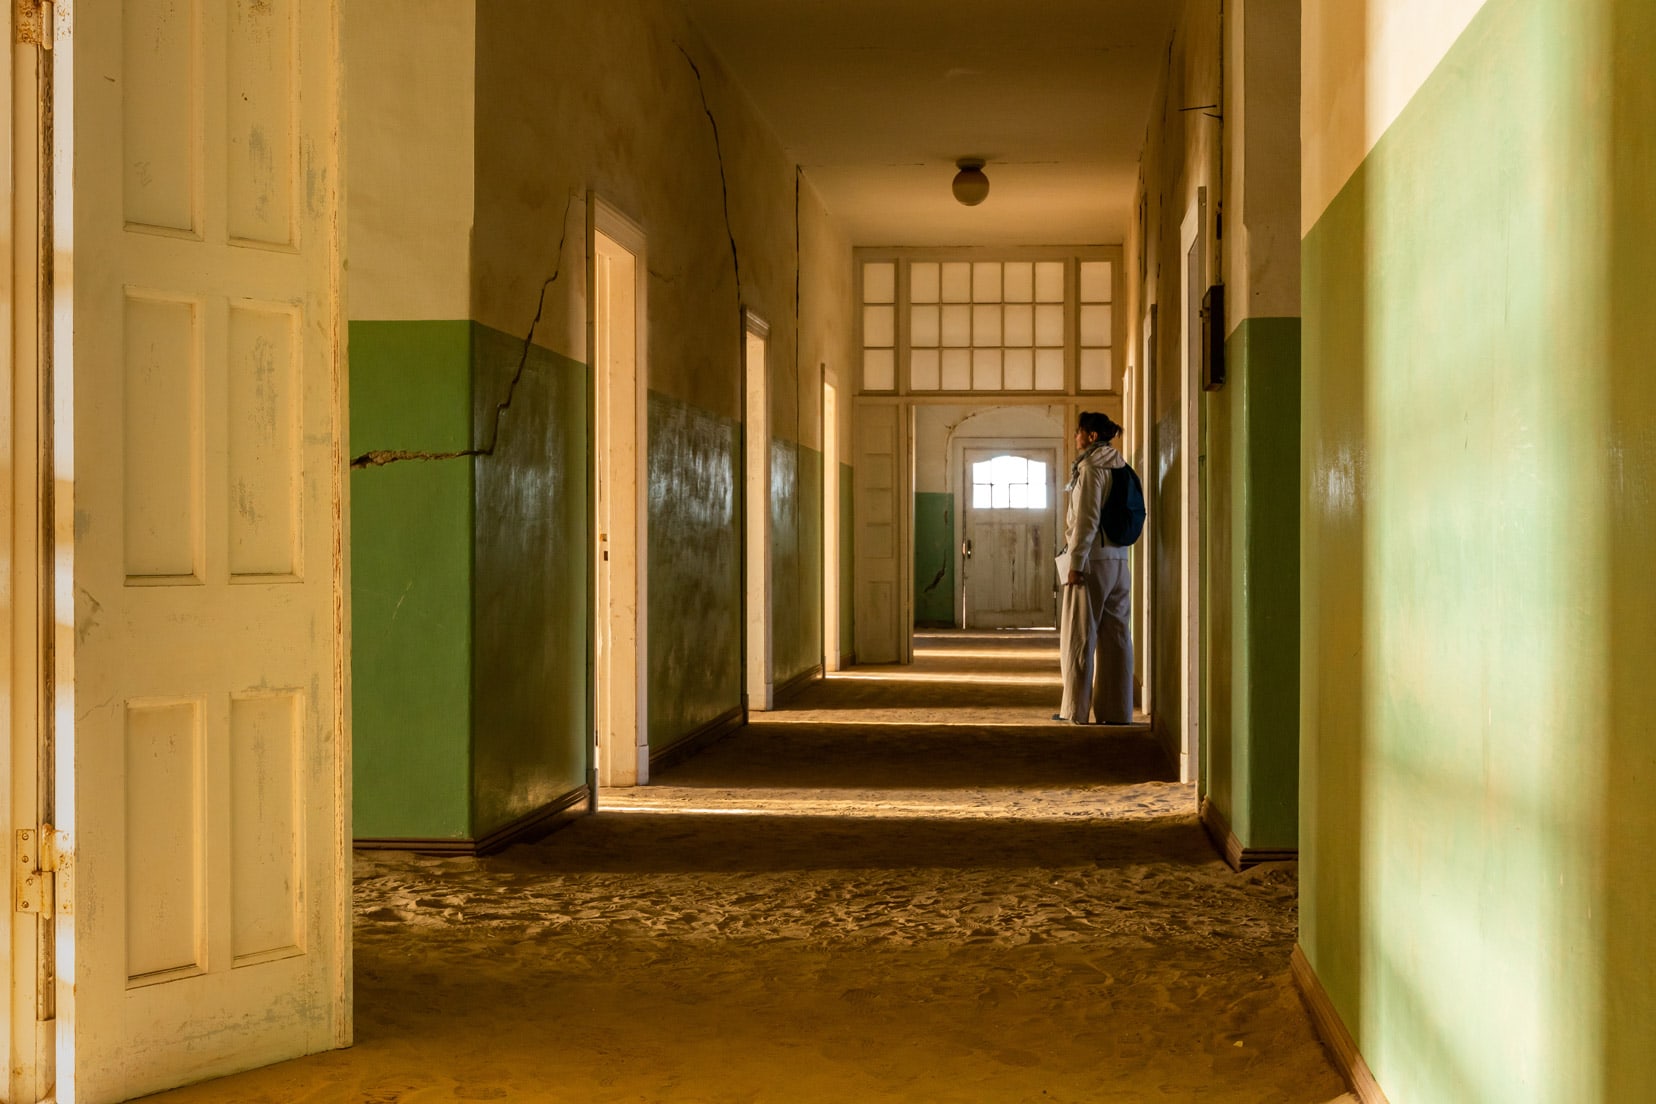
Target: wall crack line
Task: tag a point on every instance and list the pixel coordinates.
(724, 181)
(379, 458)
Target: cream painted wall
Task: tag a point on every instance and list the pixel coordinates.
(1262, 176)
(1365, 60)
(937, 426)
(409, 122)
(826, 347)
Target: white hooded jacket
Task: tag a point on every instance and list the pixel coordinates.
(1084, 540)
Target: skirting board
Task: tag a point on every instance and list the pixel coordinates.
(1239, 857)
(799, 682)
(532, 826)
(1333, 1031)
(697, 740)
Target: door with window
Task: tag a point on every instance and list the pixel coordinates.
(1009, 538)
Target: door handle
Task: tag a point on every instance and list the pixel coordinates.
(966, 549)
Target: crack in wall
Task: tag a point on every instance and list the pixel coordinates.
(379, 458)
(724, 180)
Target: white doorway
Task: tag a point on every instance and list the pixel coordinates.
(757, 510)
(1009, 499)
(620, 387)
(1194, 242)
(831, 657)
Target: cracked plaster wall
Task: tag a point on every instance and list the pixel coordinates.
(624, 100)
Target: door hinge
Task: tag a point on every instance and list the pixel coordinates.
(33, 24)
(43, 872)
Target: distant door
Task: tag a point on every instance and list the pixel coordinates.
(1010, 525)
(202, 747)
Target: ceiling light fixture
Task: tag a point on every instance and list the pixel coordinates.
(971, 187)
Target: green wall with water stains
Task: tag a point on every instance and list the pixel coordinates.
(1479, 516)
(934, 559)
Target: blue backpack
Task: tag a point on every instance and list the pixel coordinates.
(1122, 518)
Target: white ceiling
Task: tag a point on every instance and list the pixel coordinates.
(877, 99)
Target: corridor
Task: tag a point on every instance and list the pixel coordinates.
(904, 885)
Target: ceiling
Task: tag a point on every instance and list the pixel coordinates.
(877, 99)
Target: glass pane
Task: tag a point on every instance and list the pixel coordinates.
(879, 326)
(1049, 282)
(923, 282)
(986, 369)
(1010, 469)
(1020, 326)
(983, 472)
(957, 282)
(923, 370)
(1037, 485)
(981, 496)
(1095, 370)
(957, 326)
(1095, 281)
(1020, 282)
(1002, 496)
(879, 282)
(879, 370)
(1020, 496)
(1049, 325)
(1049, 369)
(922, 325)
(957, 369)
(1019, 367)
(1095, 326)
(986, 282)
(986, 326)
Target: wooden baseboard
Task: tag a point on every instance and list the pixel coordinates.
(796, 684)
(1341, 1047)
(531, 826)
(1225, 841)
(698, 739)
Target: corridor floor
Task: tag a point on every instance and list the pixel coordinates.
(906, 885)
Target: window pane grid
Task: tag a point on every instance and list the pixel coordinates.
(978, 326)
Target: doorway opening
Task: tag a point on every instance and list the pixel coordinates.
(620, 699)
(757, 509)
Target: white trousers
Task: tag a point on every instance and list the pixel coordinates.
(1095, 645)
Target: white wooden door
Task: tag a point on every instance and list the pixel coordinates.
(1010, 542)
(204, 762)
(880, 625)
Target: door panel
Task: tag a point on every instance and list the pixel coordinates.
(879, 629)
(1009, 573)
(208, 752)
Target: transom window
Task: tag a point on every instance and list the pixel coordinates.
(988, 325)
(1009, 483)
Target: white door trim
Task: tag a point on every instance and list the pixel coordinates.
(757, 641)
(620, 397)
(1192, 239)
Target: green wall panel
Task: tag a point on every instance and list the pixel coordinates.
(694, 577)
(934, 559)
(411, 573)
(529, 665)
(1475, 706)
(1253, 605)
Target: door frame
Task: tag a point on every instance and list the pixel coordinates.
(1194, 239)
(620, 460)
(758, 662)
(956, 473)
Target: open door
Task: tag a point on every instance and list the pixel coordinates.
(201, 707)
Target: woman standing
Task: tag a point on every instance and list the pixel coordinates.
(1095, 641)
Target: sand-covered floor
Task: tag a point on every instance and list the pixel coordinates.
(907, 885)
